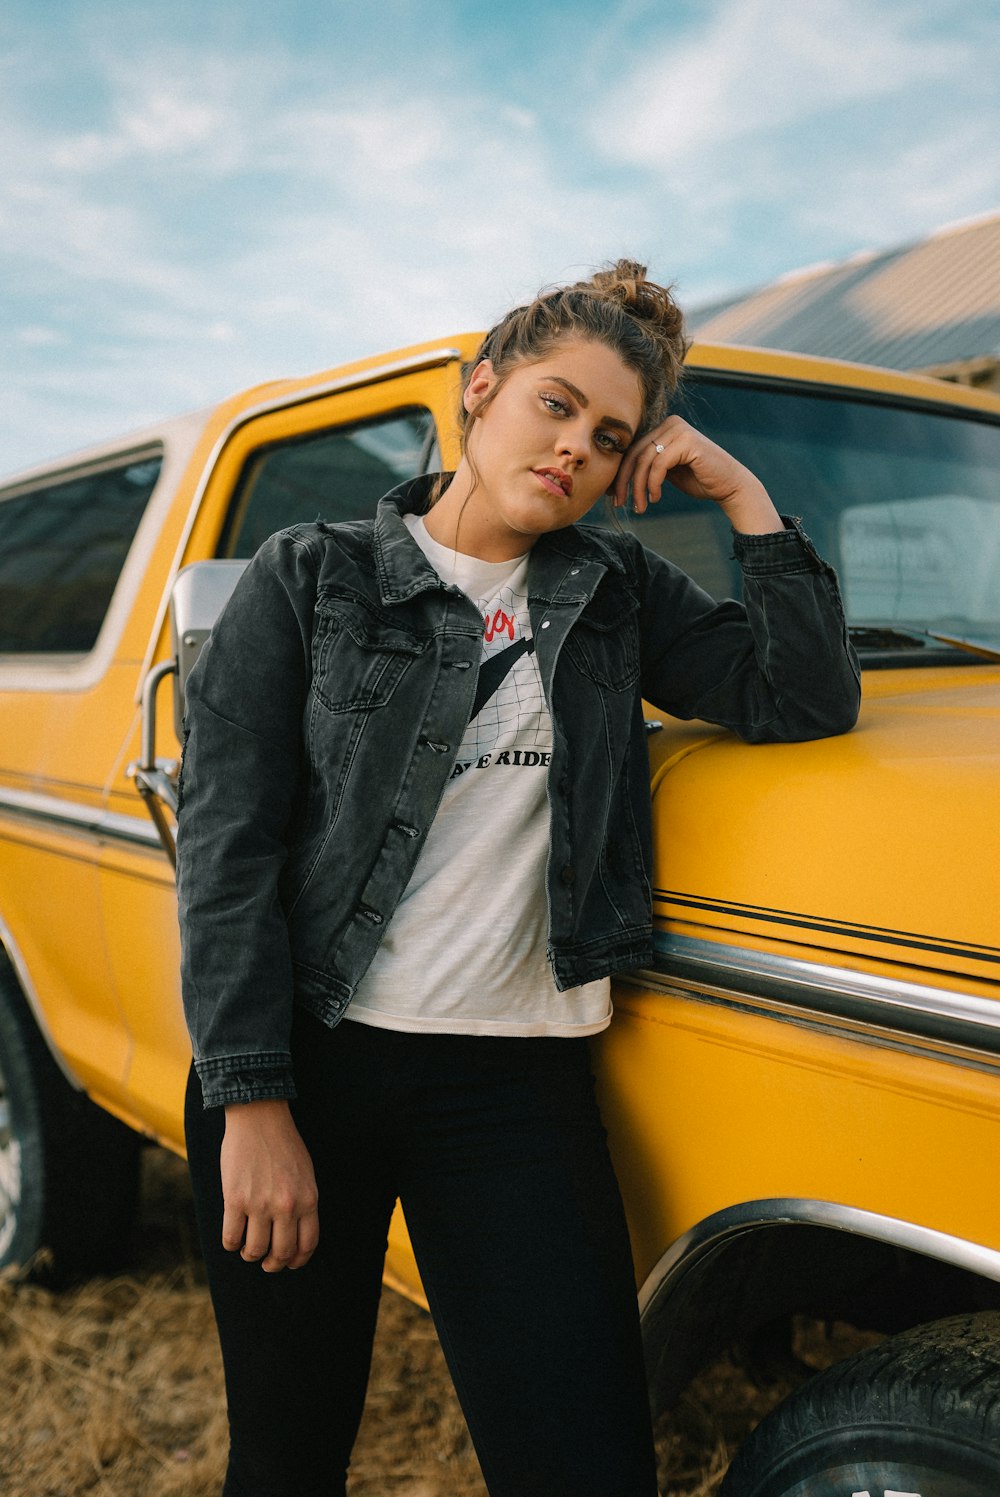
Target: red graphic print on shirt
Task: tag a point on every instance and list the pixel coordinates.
(499, 623)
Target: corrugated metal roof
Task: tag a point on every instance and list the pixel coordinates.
(915, 307)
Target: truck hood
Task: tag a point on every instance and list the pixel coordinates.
(881, 846)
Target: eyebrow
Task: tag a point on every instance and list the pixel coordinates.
(579, 395)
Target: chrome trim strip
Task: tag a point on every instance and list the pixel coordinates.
(413, 362)
(23, 976)
(707, 1235)
(862, 998)
(68, 816)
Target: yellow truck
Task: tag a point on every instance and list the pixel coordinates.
(803, 1092)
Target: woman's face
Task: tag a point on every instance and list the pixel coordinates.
(548, 445)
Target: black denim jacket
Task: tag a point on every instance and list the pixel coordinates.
(325, 714)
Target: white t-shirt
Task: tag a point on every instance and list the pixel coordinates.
(464, 952)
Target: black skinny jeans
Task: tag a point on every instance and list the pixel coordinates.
(497, 1151)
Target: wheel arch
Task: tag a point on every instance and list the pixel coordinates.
(742, 1269)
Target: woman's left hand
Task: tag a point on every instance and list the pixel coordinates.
(676, 452)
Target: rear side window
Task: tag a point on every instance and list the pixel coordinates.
(338, 474)
(62, 548)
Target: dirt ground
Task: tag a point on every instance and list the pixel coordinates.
(114, 1388)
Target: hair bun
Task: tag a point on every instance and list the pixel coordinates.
(627, 283)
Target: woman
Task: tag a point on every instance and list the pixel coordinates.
(441, 833)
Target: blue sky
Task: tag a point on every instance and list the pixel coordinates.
(198, 196)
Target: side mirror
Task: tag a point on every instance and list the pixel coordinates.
(199, 594)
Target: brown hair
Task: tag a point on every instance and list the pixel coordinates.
(618, 307)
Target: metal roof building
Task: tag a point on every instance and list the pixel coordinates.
(933, 306)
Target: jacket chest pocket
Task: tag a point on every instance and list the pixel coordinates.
(603, 644)
(359, 657)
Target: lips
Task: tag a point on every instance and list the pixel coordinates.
(555, 480)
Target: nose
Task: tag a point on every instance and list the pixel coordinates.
(574, 442)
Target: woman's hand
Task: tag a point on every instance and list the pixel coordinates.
(268, 1187)
(676, 452)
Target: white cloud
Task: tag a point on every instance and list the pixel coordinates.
(168, 123)
(56, 225)
(930, 180)
(37, 336)
(161, 124)
(758, 65)
(176, 108)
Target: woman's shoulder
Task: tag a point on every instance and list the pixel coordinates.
(612, 544)
(618, 547)
(318, 540)
(321, 535)
(305, 560)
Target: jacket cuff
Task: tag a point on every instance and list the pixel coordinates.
(245, 1078)
(778, 552)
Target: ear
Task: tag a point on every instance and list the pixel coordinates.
(481, 381)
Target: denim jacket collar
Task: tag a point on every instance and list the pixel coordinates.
(403, 569)
(565, 565)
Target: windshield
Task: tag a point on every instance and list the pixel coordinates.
(904, 501)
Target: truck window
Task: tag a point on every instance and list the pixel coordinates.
(331, 475)
(62, 547)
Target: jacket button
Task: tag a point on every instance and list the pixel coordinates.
(372, 916)
(567, 876)
(459, 665)
(438, 748)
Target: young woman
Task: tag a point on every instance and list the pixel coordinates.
(440, 833)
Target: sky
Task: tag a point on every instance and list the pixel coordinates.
(198, 195)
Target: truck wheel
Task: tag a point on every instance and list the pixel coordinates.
(916, 1416)
(69, 1173)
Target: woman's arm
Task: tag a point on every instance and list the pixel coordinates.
(779, 667)
(241, 779)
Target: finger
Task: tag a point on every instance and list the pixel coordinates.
(665, 450)
(625, 479)
(258, 1238)
(234, 1223)
(284, 1244)
(647, 480)
(619, 489)
(632, 467)
(308, 1239)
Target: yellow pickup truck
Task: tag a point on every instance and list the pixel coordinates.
(803, 1092)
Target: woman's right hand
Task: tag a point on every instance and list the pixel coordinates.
(271, 1212)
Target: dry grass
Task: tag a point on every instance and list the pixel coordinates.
(115, 1388)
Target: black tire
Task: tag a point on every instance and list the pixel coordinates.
(918, 1416)
(69, 1173)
